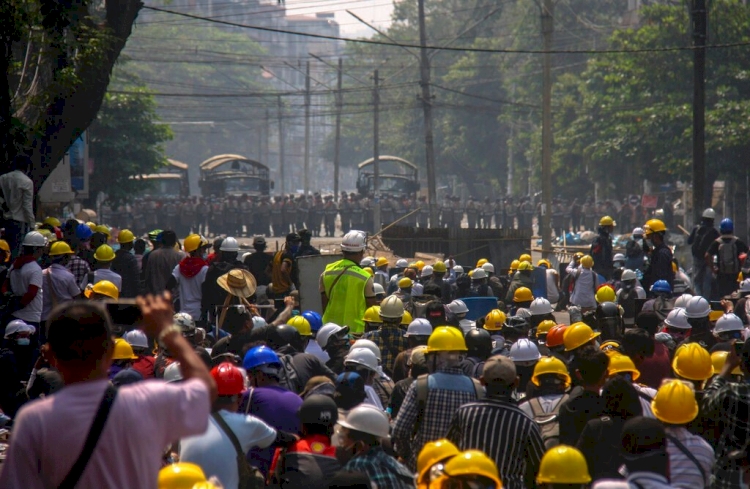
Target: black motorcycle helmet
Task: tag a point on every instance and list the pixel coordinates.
(283, 335)
(515, 327)
(479, 343)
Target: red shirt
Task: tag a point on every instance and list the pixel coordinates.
(312, 460)
(655, 368)
(144, 366)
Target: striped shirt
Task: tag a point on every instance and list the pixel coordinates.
(506, 434)
(682, 470)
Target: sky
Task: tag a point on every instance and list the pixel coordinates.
(376, 12)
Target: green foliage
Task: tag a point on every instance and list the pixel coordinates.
(125, 140)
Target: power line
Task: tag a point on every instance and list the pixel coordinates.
(450, 48)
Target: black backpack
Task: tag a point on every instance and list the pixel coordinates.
(729, 262)
(627, 302)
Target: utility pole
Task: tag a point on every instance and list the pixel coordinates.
(511, 145)
(267, 130)
(307, 129)
(376, 150)
(282, 177)
(699, 107)
(548, 28)
(337, 148)
(424, 72)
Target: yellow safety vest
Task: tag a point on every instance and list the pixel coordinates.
(346, 300)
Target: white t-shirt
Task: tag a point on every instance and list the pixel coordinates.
(107, 274)
(371, 398)
(314, 349)
(29, 274)
(214, 452)
(63, 284)
(190, 291)
(553, 293)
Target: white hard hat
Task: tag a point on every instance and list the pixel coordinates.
(618, 257)
(366, 262)
(419, 327)
(478, 274)
(18, 326)
(540, 306)
(426, 271)
(401, 263)
(173, 373)
(628, 275)
(728, 322)
(709, 213)
(417, 289)
(391, 308)
(259, 322)
(367, 344)
(697, 307)
(328, 330)
(524, 350)
(354, 241)
(229, 244)
(362, 356)
(745, 285)
(367, 419)
(682, 301)
(185, 321)
(458, 269)
(523, 312)
(34, 239)
(638, 232)
(377, 288)
(488, 267)
(677, 318)
(458, 307)
(136, 338)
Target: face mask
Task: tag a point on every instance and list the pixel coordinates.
(294, 248)
(23, 341)
(344, 454)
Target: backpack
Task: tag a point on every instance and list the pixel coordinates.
(549, 423)
(290, 378)
(627, 302)
(423, 388)
(729, 263)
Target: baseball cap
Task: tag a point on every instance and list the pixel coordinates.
(499, 369)
(258, 240)
(417, 356)
(293, 237)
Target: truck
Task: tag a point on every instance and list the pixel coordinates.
(396, 176)
(234, 175)
(170, 181)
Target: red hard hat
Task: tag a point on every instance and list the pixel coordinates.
(555, 335)
(229, 379)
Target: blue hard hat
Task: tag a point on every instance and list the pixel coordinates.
(259, 356)
(726, 226)
(83, 231)
(316, 322)
(661, 286)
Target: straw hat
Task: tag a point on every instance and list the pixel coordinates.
(238, 282)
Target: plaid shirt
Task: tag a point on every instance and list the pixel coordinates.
(383, 470)
(391, 341)
(730, 403)
(79, 268)
(439, 409)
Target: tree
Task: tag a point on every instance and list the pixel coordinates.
(126, 140)
(57, 60)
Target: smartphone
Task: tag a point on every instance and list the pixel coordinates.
(125, 314)
(738, 347)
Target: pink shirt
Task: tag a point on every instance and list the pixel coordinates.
(146, 417)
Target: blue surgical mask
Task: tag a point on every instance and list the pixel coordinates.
(294, 248)
(23, 341)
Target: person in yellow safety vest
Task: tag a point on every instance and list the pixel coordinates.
(346, 290)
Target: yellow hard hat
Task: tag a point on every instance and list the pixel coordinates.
(182, 475)
(60, 248)
(692, 362)
(123, 350)
(192, 242)
(522, 294)
(101, 228)
(514, 265)
(525, 265)
(125, 236)
(544, 327)
(369, 271)
(5, 247)
(470, 273)
(382, 261)
(91, 225)
(675, 403)
(204, 485)
(405, 283)
(481, 262)
(52, 221)
(718, 359)
(525, 257)
(419, 264)
(544, 262)
(446, 338)
(103, 287)
(563, 464)
(714, 316)
(439, 267)
(434, 452)
(472, 462)
(587, 261)
(611, 348)
(104, 253)
(372, 315)
(606, 221)
(494, 320)
(654, 226)
(406, 318)
(619, 364)
(605, 294)
(550, 365)
(578, 334)
(301, 324)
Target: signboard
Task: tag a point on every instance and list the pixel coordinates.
(310, 268)
(70, 179)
